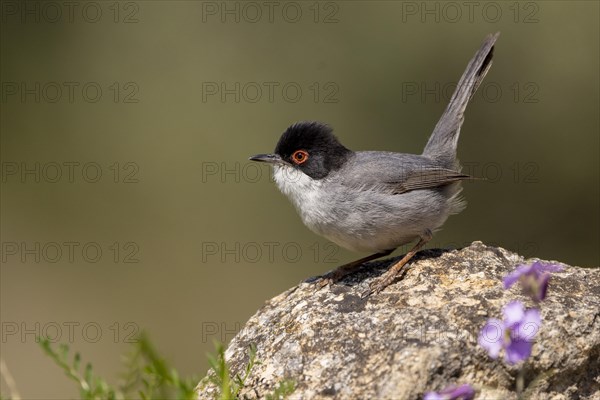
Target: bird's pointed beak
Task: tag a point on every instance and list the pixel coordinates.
(268, 158)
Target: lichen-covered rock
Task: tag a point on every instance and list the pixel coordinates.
(420, 334)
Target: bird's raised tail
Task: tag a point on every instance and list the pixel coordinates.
(442, 143)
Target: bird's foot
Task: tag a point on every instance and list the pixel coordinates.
(341, 272)
(322, 282)
(397, 269)
(319, 282)
(377, 286)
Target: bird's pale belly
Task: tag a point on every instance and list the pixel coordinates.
(364, 236)
(371, 221)
(364, 220)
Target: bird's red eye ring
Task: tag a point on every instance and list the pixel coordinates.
(300, 157)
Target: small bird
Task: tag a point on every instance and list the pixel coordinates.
(376, 201)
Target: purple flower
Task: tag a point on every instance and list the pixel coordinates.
(514, 334)
(462, 392)
(534, 278)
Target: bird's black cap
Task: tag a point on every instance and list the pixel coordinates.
(323, 151)
(310, 147)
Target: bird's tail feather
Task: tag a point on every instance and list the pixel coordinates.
(443, 141)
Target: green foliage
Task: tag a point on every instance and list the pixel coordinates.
(152, 378)
(147, 375)
(90, 387)
(220, 376)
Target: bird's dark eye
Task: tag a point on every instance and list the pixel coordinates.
(299, 157)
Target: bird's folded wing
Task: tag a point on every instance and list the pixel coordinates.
(425, 179)
(395, 173)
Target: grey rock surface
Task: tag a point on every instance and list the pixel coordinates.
(420, 333)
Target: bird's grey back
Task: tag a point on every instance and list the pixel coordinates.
(395, 173)
(382, 167)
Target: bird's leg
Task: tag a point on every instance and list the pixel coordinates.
(379, 284)
(347, 269)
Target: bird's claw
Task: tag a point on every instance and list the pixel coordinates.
(375, 287)
(320, 281)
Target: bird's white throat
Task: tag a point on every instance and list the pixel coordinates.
(300, 188)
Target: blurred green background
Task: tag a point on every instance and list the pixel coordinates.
(127, 199)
